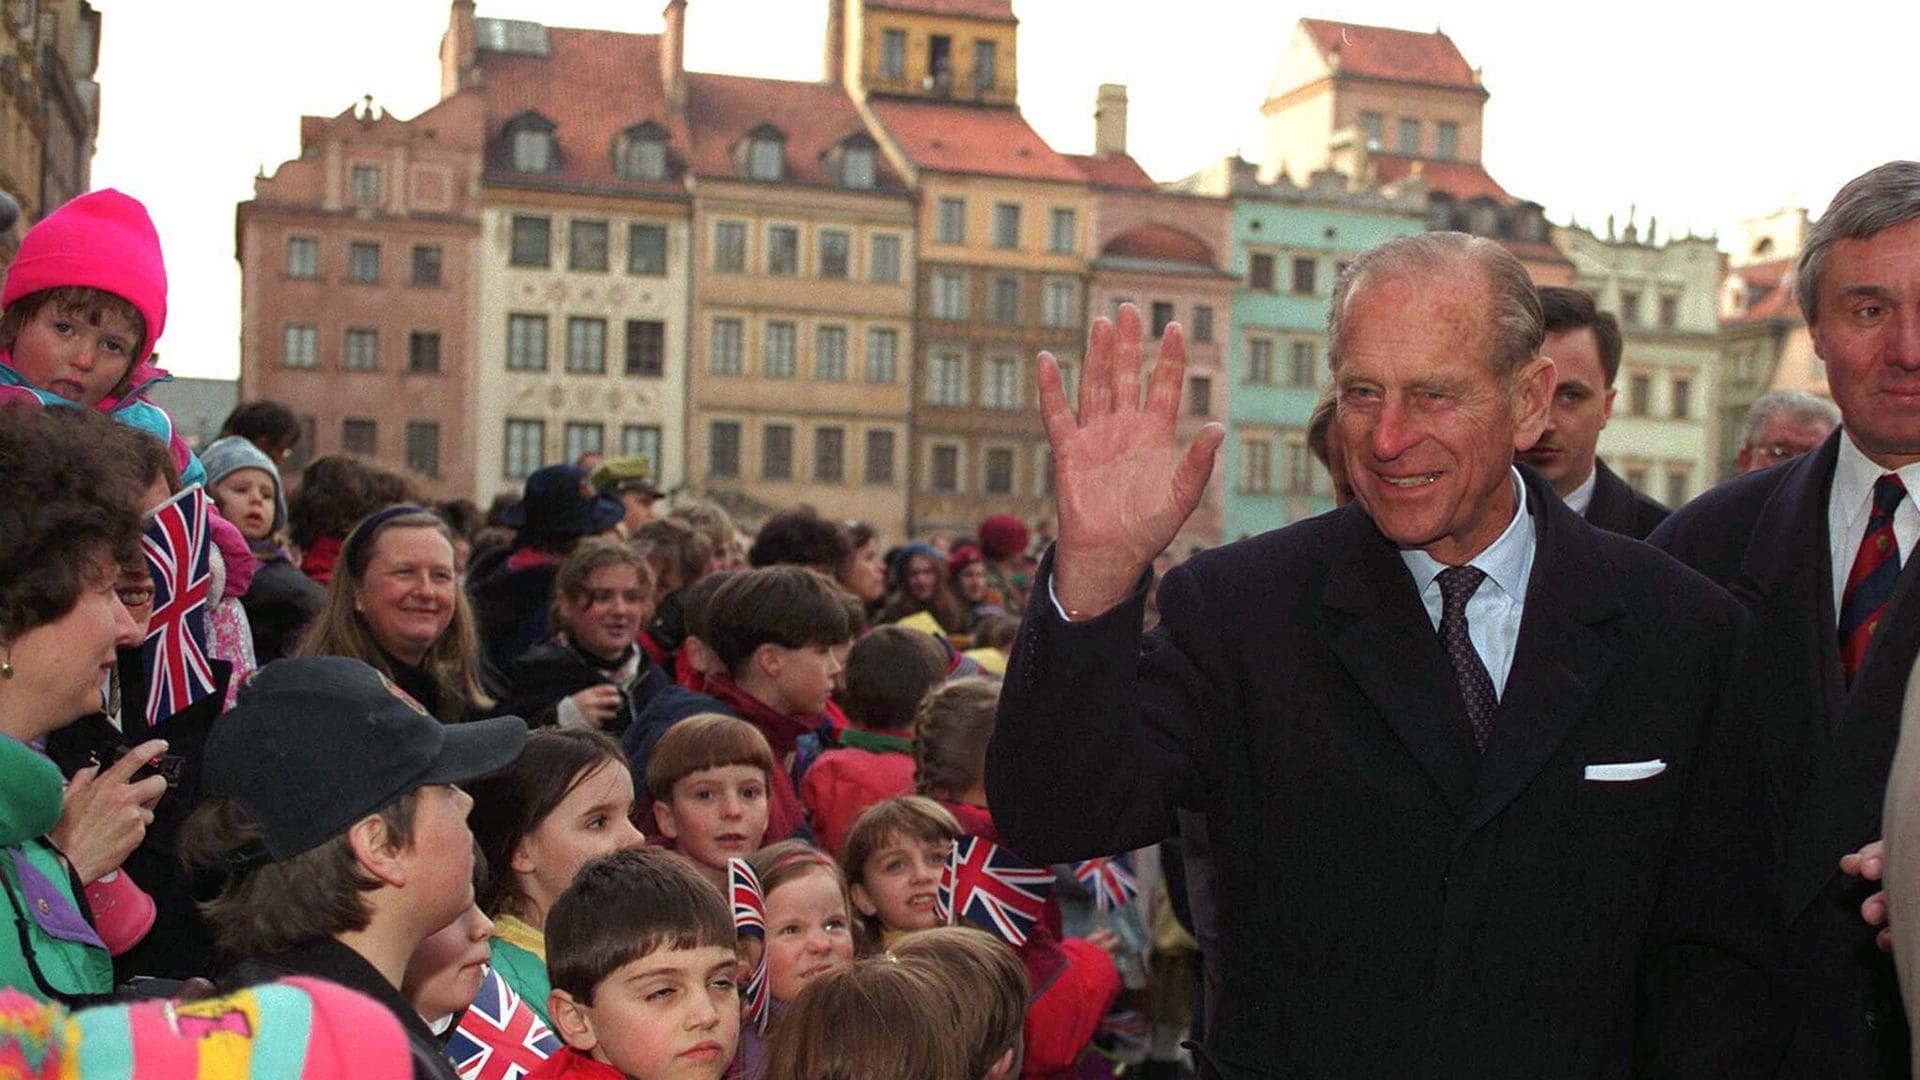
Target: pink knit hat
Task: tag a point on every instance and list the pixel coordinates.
(104, 240)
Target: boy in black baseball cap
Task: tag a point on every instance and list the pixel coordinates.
(332, 838)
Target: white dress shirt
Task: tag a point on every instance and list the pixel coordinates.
(1848, 505)
(1493, 612)
(1582, 497)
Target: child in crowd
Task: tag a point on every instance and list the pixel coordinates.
(282, 601)
(710, 775)
(894, 854)
(643, 965)
(875, 1018)
(590, 673)
(448, 968)
(989, 992)
(333, 839)
(334, 494)
(809, 916)
(888, 672)
(711, 520)
(566, 800)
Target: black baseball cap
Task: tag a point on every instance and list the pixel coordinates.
(315, 743)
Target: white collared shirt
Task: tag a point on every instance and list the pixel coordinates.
(1582, 497)
(1849, 503)
(1494, 610)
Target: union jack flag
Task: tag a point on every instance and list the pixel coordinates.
(499, 1037)
(988, 885)
(178, 548)
(750, 919)
(1110, 880)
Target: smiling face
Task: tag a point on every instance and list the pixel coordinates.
(1582, 404)
(900, 881)
(407, 592)
(716, 814)
(809, 932)
(80, 358)
(60, 666)
(591, 821)
(245, 497)
(1427, 428)
(1869, 335)
(608, 612)
(673, 1014)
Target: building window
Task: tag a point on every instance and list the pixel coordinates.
(1629, 307)
(952, 224)
(1006, 225)
(363, 261)
(879, 463)
(999, 471)
(766, 156)
(359, 436)
(1202, 323)
(1199, 396)
(1002, 389)
(426, 264)
(303, 257)
(587, 246)
(1256, 465)
(723, 449)
(1446, 140)
(363, 184)
(1407, 136)
(1677, 481)
(363, 350)
(893, 55)
(586, 349)
(776, 353)
(641, 154)
(1640, 395)
(834, 248)
(1062, 308)
(830, 455)
(1260, 272)
(532, 241)
(1060, 230)
(582, 438)
(1372, 124)
(944, 471)
(1682, 398)
(423, 352)
(983, 65)
(946, 379)
(724, 355)
(642, 440)
(783, 250)
(533, 148)
(1260, 360)
(1162, 317)
(884, 266)
(856, 166)
(300, 346)
(646, 347)
(830, 353)
(776, 452)
(1669, 312)
(949, 295)
(883, 355)
(730, 246)
(1302, 357)
(1003, 304)
(526, 448)
(526, 343)
(1305, 276)
(423, 448)
(647, 250)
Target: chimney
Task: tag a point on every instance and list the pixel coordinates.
(1110, 120)
(836, 41)
(673, 54)
(456, 50)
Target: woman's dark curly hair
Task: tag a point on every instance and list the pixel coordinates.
(70, 491)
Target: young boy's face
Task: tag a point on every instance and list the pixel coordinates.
(245, 497)
(440, 863)
(673, 1014)
(901, 881)
(445, 970)
(716, 814)
(802, 677)
(68, 354)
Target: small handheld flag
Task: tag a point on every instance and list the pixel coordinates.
(499, 1037)
(989, 886)
(750, 919)
(178, 548)
(1110, 880)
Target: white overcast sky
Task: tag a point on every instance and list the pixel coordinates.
(1697, 120)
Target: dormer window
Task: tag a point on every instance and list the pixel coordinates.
(530, 144)
(640, 153)
(764, 153)
(856, 164)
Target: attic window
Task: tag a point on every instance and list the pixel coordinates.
(856, 163)
(640, 153)
(766, 154)
(530, 146)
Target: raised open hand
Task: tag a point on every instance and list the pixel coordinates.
(1123, 487)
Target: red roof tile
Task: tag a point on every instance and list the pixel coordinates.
(1386, 53)
(1460, 179)
(995, 10)
(1764, 274)
(1113, 170)
(1162, 242)
(985, 140)
(592, 85)
(1769, 292)
(814, 117)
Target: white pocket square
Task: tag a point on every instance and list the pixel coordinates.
(1626, 770)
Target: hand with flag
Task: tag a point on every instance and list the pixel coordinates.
(750, 920)
(499, 1037)
(1110, 880)
(178, 549)
(991, 887)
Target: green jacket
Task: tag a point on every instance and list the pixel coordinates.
(30, 792)
(520, 956)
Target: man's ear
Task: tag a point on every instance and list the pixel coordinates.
(863, 900)
(375, 852)
(571, 1022)
(663, 817)
(1531, 400)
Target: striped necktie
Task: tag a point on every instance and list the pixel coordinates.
(1876, 567)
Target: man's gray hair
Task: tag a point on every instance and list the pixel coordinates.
(1797, 406)
(1877, 199)
(1516, 325)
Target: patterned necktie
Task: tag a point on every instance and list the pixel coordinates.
(1457, 585)
(1876, 567)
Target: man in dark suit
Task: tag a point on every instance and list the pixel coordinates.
(1584, 344)
(1476, 806)
(1815, 548)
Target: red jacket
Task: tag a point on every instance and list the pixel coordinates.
(865, 769)
(571, 1064)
